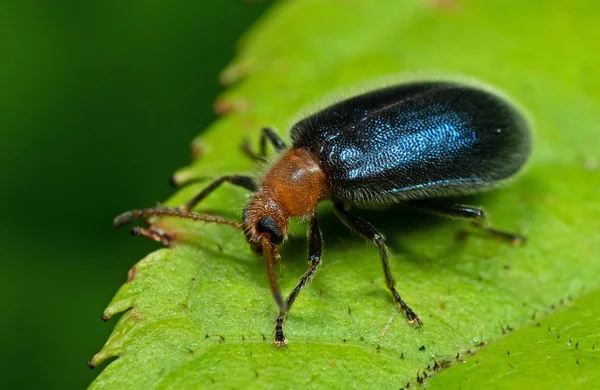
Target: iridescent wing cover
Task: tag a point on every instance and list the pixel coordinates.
(416, 140)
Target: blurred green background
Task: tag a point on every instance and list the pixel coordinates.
(98, 101)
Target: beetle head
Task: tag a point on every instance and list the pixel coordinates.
(264, 223)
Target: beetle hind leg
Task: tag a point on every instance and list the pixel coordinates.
(476, 215)
(367, 231)
(514, 239)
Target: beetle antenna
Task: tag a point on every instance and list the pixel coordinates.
(171, 212)
(270, 255)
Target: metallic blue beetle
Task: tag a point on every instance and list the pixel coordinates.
(409, 143)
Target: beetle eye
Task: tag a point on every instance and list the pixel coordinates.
(268, 225)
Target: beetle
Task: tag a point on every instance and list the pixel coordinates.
(411, 143)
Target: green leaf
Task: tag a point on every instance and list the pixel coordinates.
(195, 314)
(561, 351)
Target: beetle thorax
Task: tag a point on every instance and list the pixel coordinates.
(296, 183)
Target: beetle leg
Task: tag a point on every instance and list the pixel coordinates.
(476, 215)
(315, 249)
(367, 231)
(267, 134)
(237, 180)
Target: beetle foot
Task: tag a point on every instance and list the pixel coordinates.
(513, 239)
(413, 317)
(280, 340)
(410, 314)
(518, 240)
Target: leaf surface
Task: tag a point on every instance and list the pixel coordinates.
(558, 352)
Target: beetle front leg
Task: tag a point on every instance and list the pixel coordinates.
(315, 249)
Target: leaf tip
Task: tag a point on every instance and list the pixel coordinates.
(225, 105)
(185, 176)
(131, 274)
(173, 181)
(233, 73)
(118, 306)
(101, 357)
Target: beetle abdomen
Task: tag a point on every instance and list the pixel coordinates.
(417, 140)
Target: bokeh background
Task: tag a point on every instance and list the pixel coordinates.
(98, 103)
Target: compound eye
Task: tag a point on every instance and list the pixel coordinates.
(268, 225)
